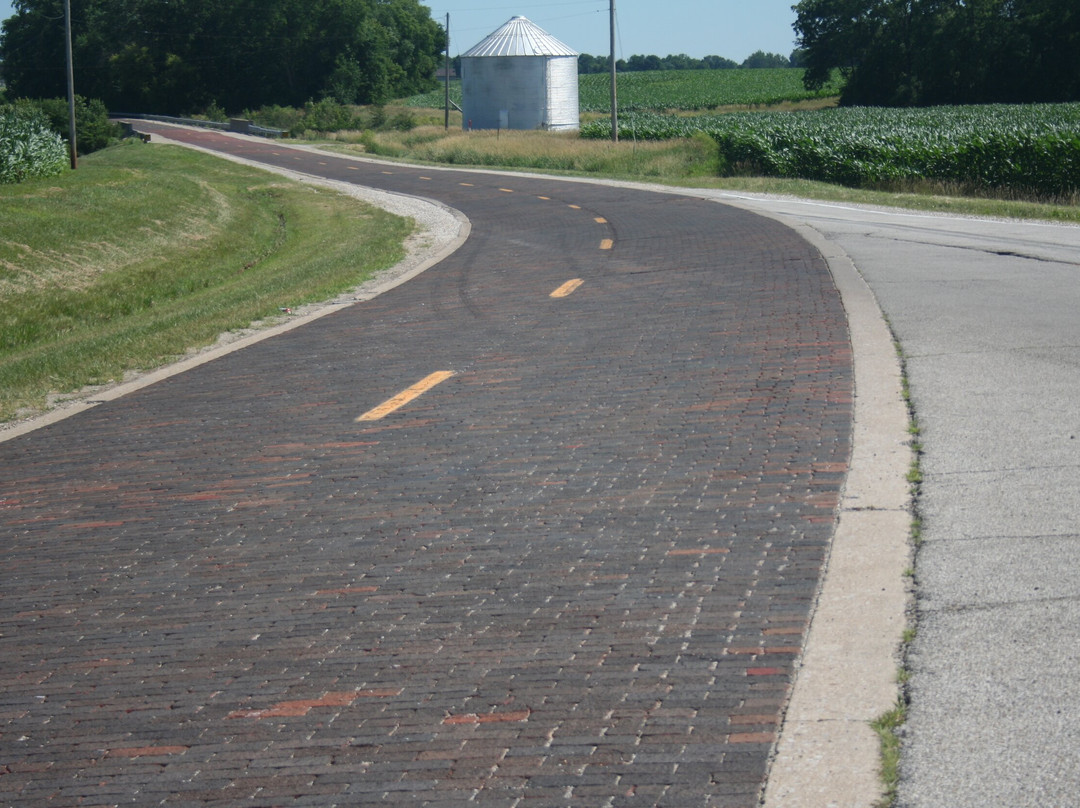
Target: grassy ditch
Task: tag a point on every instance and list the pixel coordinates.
(149, 251)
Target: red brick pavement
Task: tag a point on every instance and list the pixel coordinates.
(576, 573)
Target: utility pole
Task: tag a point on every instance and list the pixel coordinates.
(70, 87)
(614, 94)
(446, 75)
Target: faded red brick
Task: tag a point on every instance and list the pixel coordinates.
(751, 737)
(147, 751)
(487, 718)
(741, 720)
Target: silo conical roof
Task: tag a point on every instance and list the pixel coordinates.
(519, 37)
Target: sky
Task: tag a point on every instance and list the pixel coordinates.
(730, 28)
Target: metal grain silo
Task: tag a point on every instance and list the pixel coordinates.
(519, 77)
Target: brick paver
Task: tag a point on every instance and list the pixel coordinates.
(575, 573)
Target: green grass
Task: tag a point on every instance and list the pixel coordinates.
(148, 251)
(887, 727)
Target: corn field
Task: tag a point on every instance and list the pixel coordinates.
(695, 90)
(690, 90)
(1034, 148)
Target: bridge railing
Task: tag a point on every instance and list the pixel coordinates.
(241, 125)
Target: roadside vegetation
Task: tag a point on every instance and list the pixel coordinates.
(147, 251)
(769, 133)
(28, 147)
(696, 158)
(1028, 150)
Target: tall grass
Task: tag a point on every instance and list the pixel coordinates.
(148, 251)
(547, 151)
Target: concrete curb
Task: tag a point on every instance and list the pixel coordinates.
(827, 754)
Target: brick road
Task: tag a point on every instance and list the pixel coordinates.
(577, 572)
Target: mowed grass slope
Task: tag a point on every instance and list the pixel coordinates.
(148, 251)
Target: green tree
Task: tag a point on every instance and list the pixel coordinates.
(178, 56)
(759, 59)
(899, 52)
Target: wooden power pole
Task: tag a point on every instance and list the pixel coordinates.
(446, 75)
(70, 87)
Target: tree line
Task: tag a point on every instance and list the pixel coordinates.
(587, 63)
(927, 52)
(182, 56)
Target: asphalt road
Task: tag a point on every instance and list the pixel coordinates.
(542, 526)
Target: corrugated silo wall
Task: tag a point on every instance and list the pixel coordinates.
(516, 85)
(562, 81)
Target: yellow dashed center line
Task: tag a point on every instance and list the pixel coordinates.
(387, 172)
(466, 184)
(405, 396)
(567, 288)
(426, 178)
(354, 168)
(600, 220)
(575, 207)
(545, 198)
(507, 190)
(607, 244)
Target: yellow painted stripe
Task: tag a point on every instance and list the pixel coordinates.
(507, 190)
(607, 244)
(567, 288)
(405, 396)
(426, 178)
(387, 172)
(546, 198)
(354, 168)
(600, 220)
(466, 184)
(575, 207)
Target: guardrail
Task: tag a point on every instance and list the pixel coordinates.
(240, 125)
